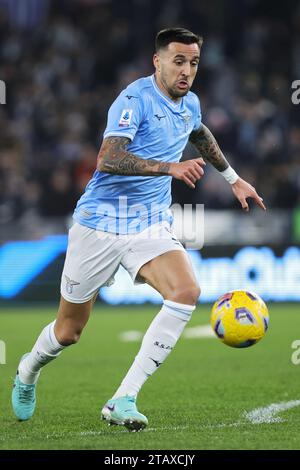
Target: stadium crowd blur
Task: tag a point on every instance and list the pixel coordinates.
(64, 62)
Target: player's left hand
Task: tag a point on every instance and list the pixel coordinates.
(242, 190)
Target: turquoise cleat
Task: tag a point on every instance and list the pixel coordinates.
(123, 412)
(23, 399)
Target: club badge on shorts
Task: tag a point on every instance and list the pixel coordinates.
(70, 284)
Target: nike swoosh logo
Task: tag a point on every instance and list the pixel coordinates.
(110, 408)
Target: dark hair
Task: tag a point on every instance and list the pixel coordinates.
(165, 36)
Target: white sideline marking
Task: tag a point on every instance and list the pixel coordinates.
(131, 335)
(257, 416)
(202, 331)
(268, 414)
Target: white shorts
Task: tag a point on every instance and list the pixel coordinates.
(93, 257)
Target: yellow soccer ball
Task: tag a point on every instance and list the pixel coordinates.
(240, 318)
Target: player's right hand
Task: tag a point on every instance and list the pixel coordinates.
(188, 171)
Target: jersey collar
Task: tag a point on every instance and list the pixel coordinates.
(163, 96)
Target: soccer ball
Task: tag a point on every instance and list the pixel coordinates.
(240, 318)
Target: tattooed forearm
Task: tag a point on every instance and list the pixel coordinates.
(114, 158)
(207, 145)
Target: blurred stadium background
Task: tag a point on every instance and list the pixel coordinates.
(63, 63)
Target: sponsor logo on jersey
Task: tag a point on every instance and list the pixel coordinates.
(159, 117)
(131, 96)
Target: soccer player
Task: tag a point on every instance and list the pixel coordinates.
(123, 218)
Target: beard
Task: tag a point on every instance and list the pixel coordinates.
(173, 91)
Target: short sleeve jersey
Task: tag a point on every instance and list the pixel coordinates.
(158, 128)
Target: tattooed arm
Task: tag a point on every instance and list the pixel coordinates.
(115, 158)
(208, 148)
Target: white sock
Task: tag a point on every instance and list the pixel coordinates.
(158, 342)
(45, 350)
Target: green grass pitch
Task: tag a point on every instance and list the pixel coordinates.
(196, 400)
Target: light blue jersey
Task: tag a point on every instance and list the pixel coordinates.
(158, 129)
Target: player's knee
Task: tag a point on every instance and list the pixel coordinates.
(66, 338)
(188, 294)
